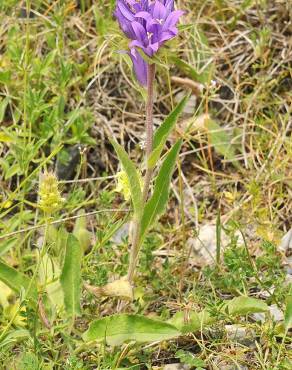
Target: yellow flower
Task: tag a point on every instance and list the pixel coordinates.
(50, 199)
(123, 185)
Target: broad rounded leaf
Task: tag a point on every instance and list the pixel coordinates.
(245, 305)
(192, 321)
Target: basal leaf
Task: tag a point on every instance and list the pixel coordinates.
(245, 305)
(71, 276)
(117, 329)
(157, 203)
(164, 130)
(132, 175)
(192, 322)
(195, 321)
(16, 280)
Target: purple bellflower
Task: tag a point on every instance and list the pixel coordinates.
(149, 24)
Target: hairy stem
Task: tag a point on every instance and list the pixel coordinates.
(148, 175)
(149, 128)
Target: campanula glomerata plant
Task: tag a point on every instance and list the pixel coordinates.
(148, 25)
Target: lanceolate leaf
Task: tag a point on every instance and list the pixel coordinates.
(164, 130)
(133, 177)
(157, 203)
(120, 328)
(15, 280)
(71, 276)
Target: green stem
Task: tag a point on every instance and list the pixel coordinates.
(148, 175)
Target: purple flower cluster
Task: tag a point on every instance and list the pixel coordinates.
(149, 24)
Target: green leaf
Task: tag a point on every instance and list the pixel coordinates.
(188, 358)
(5, 294)
(5, 77)
(245, 305)
(5, 137)
(186, 68)
(195, 321)
(16, 280)
(133, 177)
(49, 274)
(288, 313)
(71, 276)
(7, 244)
(80, 231)
(157, 203)
(164, 130)
(3, 105)
(221, 140)
(117, 329)
(203, 76)
(14, 337)
(28, 360)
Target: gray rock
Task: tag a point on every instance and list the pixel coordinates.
(204, 246)
(121, 234)
(276, 314)
(176, 367)
(240, 334)
(286, 242)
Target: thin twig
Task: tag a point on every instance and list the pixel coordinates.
(60, 221)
